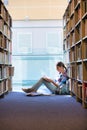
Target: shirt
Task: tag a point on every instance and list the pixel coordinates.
(63, 78)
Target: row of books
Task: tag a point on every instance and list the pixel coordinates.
(70, 10)
(5, 85)
(73, 88)
(85, 50)
(76, 70)
(85, 91)
(73, 71)
(84, 6)
(7, 32)
(79, 90)
(78, 52)
(1, 24)
(75, 35)
(72, 38)
(5, 29)
(72, 6)
(68, 27)
(72, 21)
(5, 15)
(6, 72)
(72, 55)
(66, 45)
(85, 26)
(77, 14)
(5, 58)
(78, 55)
(79, 72)
(78, 33)
(85, 70)
(5, 43)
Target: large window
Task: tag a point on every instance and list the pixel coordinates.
(24, 43)
(37, 47)
(54, 42)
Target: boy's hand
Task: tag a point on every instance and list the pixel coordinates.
(51, 81)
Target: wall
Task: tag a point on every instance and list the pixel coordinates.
(36, 9)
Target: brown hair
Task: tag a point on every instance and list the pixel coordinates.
(61, 64)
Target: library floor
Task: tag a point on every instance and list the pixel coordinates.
(59, 112)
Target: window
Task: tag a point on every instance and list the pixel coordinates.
(53, 42)
(24, 43)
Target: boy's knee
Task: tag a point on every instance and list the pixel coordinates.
(41, 79)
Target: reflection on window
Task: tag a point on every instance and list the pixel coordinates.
(24, 43)
(53, 42)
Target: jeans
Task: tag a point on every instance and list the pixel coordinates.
(49, 85)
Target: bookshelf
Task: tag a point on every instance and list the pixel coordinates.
(6, 68)
(75, 47)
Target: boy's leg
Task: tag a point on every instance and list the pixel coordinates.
(50, 86)
(34, 87)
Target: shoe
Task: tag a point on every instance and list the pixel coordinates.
(57, 92)
(27, 90)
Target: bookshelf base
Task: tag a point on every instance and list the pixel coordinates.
(2, 95)
(84, 104)
(78, 99)
(72, 94)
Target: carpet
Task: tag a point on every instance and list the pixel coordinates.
(57, 112)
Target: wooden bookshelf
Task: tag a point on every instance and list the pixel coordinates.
(6, 69)
(75, 45)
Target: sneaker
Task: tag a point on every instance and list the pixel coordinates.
(27, 90)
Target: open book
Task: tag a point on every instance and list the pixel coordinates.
(37, 94)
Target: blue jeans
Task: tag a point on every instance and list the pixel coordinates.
(49, 85)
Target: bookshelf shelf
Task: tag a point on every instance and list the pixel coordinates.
(77, 4)
(84, 16)
(6, 68)
(72, 14)
(76, 48)
(84, 38)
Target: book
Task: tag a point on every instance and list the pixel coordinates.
(37, 94)
(86, 51)
(79, 72)
(1, 25)
(79, 93)
(86, 27)
(78, 52)
(0, 72)
(85, 91)
(85, 6)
